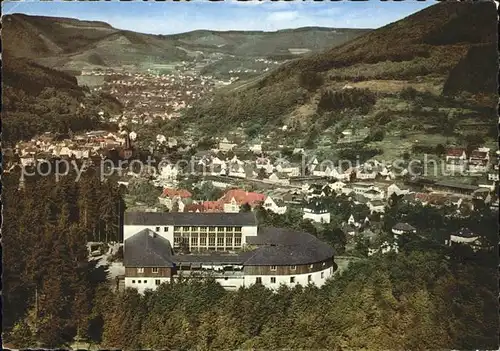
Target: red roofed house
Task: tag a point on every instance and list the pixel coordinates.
(194, 208)
(456, 160)
(170, 196)
(479, 161)
(235, 198)
(213, 206)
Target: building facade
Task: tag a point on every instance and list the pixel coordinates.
(272, 256)
(197, 231)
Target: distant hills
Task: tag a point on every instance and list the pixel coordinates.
(71, 44)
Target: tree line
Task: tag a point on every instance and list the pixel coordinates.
(48, 281)
(412, 300)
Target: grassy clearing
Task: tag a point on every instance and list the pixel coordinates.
(90, 81)
(434, 86)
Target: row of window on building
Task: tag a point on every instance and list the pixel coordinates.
(272, 280)
(212, 239)
(153, 270)
(202, 229)
(258, 280)
(157, 281)
(272, 268)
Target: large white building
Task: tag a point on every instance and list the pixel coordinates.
(199, 231)
(273, 256)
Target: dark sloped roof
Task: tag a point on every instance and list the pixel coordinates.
(316, 206)
(362, 185)
(147, 249)
(279, 202)
(409, 197)
(191, 219)
(315, 186)
(455, 185)
(377, 203)
(361, 198)
(280, 246)
(404, 227)
(275, 246)
(465, 233)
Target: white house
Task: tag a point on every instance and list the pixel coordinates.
(235, 159)
(456, 160)
(291, 171)
(226, 146)
(317, 213)
(172, 142)
(256, 148)
(403, 228)
(479, 160)
(374, 194)
(175, 225)
(352, 222)
(362, 188)
(237, 170)
(170, 196)
(384, 248)
(275, 206)
(493, 176)
(463, 236)
(394, 189)
(376, 206)
(332, 172)
(337, 186)
(264, 163)
(313, 164)
(384, 172)
(232, 206)
(150, 259)
(27, 161)
(168, 172)
(327, 171)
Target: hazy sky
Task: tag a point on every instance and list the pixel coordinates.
(170, 17)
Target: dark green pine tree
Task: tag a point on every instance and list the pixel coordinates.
(88, 203)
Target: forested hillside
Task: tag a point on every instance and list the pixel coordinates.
(48, 282)
(442, 45)
(473, 72)
(37, 99)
